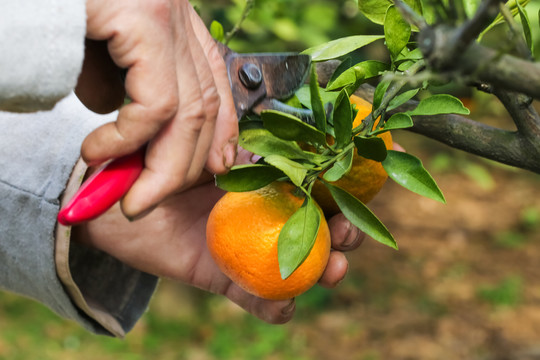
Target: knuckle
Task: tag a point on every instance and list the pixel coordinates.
(161, 9)
(195, 115)
(166, 107)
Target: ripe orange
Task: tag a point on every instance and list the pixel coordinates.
(366, 177)
(242, 234)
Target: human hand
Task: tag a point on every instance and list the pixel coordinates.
(181, 102)
(170, 242)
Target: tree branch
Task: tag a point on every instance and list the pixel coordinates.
(516, 148)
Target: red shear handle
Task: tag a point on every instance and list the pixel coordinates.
(103, 189)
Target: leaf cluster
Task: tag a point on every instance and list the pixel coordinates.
(292, 150)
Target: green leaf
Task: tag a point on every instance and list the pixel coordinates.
(340, 167)
(317, 105)
(440, 104)
(261, 142)
(295, 171)
(375, 10)
(512, 5)
(396, 31)
(217, 32)
(359, 72)
(297, 237)
(378, 96)
(339, 47)
(396, 121)
(248, 177)
(343, 120)
(304, 96)
(289, 127)
(526, 24)
(360, 216)
(371, 147)
(408, 171)
(402, 99)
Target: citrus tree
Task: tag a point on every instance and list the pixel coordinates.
(429, 42)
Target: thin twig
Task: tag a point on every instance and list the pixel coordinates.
(520, 43)
(247, 9)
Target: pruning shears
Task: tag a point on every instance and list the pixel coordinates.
(258, 82)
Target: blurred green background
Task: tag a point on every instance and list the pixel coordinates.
(464, 284)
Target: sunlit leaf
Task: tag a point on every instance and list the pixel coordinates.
(289, 127)
(395, 122)
(408, 171)
(440, 104)
(295, 171)
(261, 142)
(297, 237)
(375, 10)
(339, 47)
(360, 216)
(248, 177)
(361, 71)
(340, 167)
(216, 30)
(396, 31)
(401, 99)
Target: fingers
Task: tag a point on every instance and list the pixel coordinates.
(345, 236)
(271, 311)
(181, 103)
(224, 145)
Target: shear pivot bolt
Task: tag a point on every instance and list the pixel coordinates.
(250, 75)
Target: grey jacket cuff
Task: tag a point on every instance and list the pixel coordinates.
(37, 156)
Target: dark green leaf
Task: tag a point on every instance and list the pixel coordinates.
(295, 171)
(401, 99)
(378, 96)
(261, 142)
(289, 127)
(340, 167)
(248, 177)
(359, 72)
(408, 171)
(216, 30)
(440, 104)
(526, 24)
(297, 237)
(343, 120)
(317, 105)
(339, 47)
(396, 121)
(372, 147)
(360, 216)
(396, 31)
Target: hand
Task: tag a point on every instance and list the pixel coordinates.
(181, 102)
(170, 242)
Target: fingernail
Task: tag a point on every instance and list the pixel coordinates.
(229, 153)
(352, 235)
(287, 310)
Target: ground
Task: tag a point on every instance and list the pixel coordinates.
(463, 285)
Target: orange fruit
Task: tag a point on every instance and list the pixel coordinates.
(242, 235)
(365, 178)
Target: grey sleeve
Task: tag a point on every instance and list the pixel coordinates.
(37, 154)
(41, 52)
